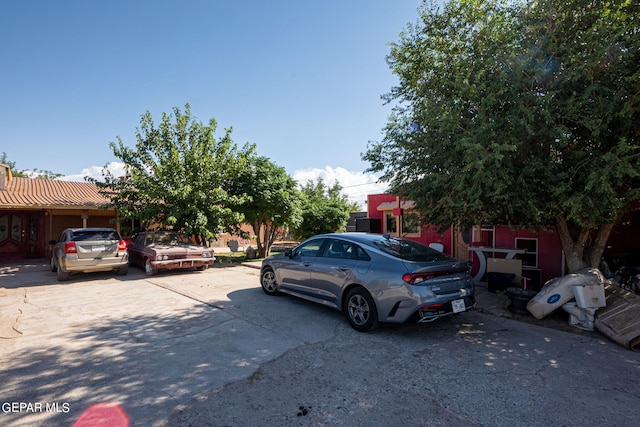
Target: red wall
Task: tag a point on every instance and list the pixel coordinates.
(550, 259)
(427, 234)
(623, 247)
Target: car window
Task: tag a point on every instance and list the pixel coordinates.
(310, 248)
(83, 235)
(408, 249)
(361, 254)
(337, 248)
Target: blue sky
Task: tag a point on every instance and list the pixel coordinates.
(300, 79)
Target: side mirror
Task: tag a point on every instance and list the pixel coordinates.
(53, 242)
(288, 253)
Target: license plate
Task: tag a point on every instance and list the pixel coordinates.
(457, 305)
(98, 249)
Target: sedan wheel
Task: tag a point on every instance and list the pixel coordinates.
(361, 310)
(53, 265)
(62, 275)
(148, 268)
(268, 282)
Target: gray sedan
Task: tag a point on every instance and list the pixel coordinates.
(372, 278)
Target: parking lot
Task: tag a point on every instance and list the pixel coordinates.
(210, 348)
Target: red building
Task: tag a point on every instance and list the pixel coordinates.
(539, 250)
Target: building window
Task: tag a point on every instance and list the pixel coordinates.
(488, 235)
(410, 224)
(390, 223)
(529, 258)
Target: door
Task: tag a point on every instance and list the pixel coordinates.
(295, 272)
(13, 242)
(461, 240)
(334, 270)
(33, 237)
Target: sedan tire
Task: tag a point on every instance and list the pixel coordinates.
(268, 281)
(148, 268)
(62, 275)
(360, 310)
(52, 264)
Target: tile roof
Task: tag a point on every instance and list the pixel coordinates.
(46, 193)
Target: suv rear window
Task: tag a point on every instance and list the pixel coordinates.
(83, 235)
(408, 249)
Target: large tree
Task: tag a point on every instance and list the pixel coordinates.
(324, 209)
(179, 175)
(518, 113)
(272, 202)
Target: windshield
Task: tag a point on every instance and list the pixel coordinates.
(170, 238)
(408, 249)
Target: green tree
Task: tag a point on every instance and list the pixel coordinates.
(178, 175)
(273, 201)
(520, 114)
(324, 210)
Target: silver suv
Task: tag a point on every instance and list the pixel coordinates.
(84, 250)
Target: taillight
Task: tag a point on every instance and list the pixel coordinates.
(70, 248)
(122, 245)
(421, 276)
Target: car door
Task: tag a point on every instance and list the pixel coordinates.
(294, 273)
(136, 246)
(334, 269)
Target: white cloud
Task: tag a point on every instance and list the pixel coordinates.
(355, 185)
(116, 168)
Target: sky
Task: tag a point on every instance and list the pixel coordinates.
(301, 79)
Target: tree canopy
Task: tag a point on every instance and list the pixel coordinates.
(324, 210)
(179, 175)
(273, 201)
(518, 113)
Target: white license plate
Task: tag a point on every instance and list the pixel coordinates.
(98, 249)
(457, 305)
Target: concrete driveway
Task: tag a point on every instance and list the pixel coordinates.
(145, 343)
(209, 348)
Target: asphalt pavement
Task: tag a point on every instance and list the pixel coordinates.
(210, 348)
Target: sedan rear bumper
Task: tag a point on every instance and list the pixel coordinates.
(93, 265)
(419, 304)
(433, 312)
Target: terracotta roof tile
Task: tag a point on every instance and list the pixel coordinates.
(41, 193)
